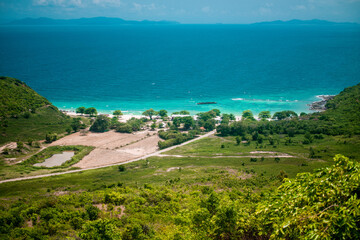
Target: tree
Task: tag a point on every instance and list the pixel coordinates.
(308, 138)
(149, 113)
(114, 122)
(223, 129)
(279, 116)
(209, 125)
(238, 140)
(50, 137)
(285, 114)
(80, 110)
(162, 113)
(204, 116)
(117, 113)
(264, 115)
(76, 124)
(247, 114)
(216, 111)
(91, 111)
(312, 153)
(188, 122)
(184, 112)
(101, 124)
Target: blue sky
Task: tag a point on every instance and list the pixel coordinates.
(186, 11)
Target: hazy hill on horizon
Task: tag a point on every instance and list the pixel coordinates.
(84, 21)
(304, 22)
(120, 21)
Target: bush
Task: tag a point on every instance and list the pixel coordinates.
(50, 137)
(121, 168)
(101, 124)
(124, 128)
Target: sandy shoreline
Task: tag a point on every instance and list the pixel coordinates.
(124, 117)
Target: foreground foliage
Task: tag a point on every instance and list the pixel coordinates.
(323, 205)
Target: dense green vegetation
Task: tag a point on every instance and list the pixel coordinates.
(227, 208)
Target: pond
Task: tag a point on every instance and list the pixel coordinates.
(56, 159)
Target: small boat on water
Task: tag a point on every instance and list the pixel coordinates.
(201, 103)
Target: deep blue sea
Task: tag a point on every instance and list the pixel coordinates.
(173, 67)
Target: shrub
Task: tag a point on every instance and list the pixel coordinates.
(101, 124)
(124, 128)
(329, 209)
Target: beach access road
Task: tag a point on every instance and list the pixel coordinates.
(101, 143)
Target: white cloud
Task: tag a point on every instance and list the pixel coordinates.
(140, 7)
(108, 3)
(60, 3)
(205, 9)
(264, 11)
(299, 7)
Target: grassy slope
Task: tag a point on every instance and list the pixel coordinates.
(16, 98)
(196, 170)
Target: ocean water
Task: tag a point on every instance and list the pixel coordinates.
(173, 67)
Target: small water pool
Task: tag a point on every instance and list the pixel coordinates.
(56, 159)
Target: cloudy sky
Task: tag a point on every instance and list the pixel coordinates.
(186, 11)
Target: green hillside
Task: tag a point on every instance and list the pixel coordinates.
(344, 109)
(25, 114)
(17, 98)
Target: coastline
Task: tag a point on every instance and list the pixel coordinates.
(128, 114)
(320, 105)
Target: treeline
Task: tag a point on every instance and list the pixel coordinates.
(342, 117)
(329, 209)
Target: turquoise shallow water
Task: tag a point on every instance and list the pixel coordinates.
(173, 67)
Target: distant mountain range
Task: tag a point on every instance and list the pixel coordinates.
(120, 21)
(304, 22)
(84, 21)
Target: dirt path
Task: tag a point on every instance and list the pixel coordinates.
(157, 153)
(281, 155)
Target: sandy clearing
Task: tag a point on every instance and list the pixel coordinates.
(110, 155)
(157, 153)
(11, 145)
(109, 139)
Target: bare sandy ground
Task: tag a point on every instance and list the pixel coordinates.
(112, 147)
